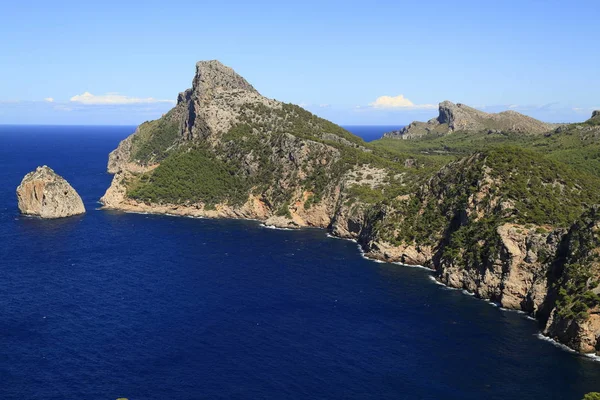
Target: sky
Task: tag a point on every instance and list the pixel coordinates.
(353, 62)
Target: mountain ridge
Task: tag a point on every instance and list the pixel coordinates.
(460, 117)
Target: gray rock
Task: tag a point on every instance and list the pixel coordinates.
(46, 194)
(459, 117)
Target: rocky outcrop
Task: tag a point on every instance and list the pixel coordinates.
(461, 118)
(297, 148)
(45, 194)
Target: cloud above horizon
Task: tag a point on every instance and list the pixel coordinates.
(114, 99)
(399, 102)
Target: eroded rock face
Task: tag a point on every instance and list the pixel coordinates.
(46, 194)
(459, 117)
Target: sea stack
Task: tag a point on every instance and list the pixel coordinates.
(46, 194)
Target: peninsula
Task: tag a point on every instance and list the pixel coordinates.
(501, 205)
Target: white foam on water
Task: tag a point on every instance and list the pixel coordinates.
(275, 227)
(412, 266)
(513, 310)
(594, 357)
(465, 291)
(492, 303)
(530, 317)
(591, 356)
(136, 212)
(432, 278)
(555, 343)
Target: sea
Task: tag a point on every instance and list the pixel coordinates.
(112, 305)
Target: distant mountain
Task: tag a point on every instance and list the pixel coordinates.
(459, 117)
(595, 119)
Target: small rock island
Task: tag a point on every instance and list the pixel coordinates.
(46, 194)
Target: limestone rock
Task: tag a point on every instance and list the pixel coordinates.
(46, 194)
(459, 117)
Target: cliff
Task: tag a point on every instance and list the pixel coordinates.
(461, 118)
(227, 151)
(45, 194)
(501, 221)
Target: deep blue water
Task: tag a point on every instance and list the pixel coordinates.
(370, 132)
(111, 305)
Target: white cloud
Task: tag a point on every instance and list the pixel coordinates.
(399, 102)
(114, 99)
(49, 99)
(324, 105)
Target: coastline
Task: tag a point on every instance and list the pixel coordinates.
(194, 212)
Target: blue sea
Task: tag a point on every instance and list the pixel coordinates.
(370, 133)
(110, 305)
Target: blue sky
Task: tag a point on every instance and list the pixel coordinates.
(336, 58)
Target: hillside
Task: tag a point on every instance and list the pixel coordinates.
(496, 207)
(225, 150)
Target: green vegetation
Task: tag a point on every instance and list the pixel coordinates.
(191, 175)
(592, 396)
(154, 139)
(474, 245)
(544, 191)
(366, 194)
(579, 273)
(284, 210)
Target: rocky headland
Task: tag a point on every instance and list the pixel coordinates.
(459, 117)
(506, 223)
(46, 194)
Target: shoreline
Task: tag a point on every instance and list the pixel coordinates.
(329, 234)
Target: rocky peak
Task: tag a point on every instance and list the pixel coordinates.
(460, 117)
(457, 116)
(46, 194)
(212, 76)
(595, 116)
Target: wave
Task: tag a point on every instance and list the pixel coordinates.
(275, 227)
(555, 343)
(432, 278)
(412, 266)
(513, 310)
(329, 235)
(561, 346)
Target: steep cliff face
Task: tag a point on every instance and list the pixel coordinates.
(459, 117)
(574, 318)
(491, 224)
(45, 194)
